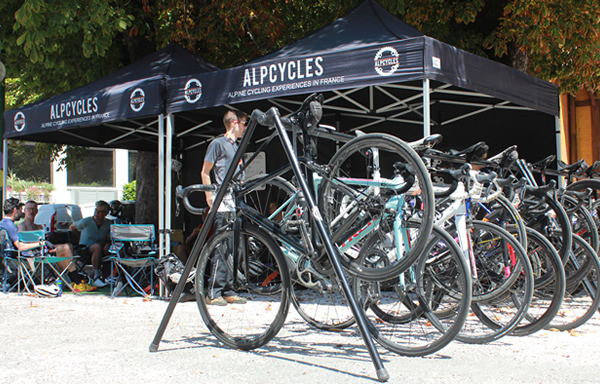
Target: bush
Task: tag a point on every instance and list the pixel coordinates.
(34, 190)
(129, 191)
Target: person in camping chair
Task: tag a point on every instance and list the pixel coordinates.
(94, 240)
(60, 250)
(13, 211)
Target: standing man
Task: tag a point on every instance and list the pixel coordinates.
(219, 155)
(94, 238)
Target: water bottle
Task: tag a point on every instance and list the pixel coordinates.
(59, 285)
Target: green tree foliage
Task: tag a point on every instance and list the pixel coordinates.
(561, 39)
(51, 46)
(229, 33)
(129, 191)
(556, 40)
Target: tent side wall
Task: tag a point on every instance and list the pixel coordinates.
(451, 65)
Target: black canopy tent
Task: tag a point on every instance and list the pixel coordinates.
(376, 73)
(118, 111)
(125, 109)
(379, 73)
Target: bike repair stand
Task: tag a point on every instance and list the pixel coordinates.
(270, 118)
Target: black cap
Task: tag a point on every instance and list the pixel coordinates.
(11, 204)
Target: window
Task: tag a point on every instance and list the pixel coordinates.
(22, 164)
(96, 170)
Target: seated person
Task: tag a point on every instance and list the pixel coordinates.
(183, 250)
(13, 211)
(94, 239)
(28, 224)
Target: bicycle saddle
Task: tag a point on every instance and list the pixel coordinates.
(589, 172)
(544, 163)
(541, 190)
(576, 168)
(475, 152)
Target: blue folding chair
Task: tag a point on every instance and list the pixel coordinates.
(133, 255)
(29, 261)
(37, 266)
(10, 263)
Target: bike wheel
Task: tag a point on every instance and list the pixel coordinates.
(324, 306)
(582, 222)
(546, 215)
(253, 324)
(502, 284)
(318, 299)
(582, 294)
(370, 178)
(549, 283)
(501, 212)
(420, 311)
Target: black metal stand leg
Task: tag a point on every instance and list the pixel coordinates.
(382, 374)
(195, 253)
(193, 258)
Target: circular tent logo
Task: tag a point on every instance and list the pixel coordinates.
(137, 99)
(19, 121)
(386, 61)
(193, 91)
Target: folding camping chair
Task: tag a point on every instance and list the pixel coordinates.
(36, 265)
(10, 263)
(133, 255)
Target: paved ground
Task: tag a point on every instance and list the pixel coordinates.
(94, 339)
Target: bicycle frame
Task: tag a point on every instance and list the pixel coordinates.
(272, 118)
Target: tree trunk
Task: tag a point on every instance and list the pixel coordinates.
(146, 204)
(519, 59)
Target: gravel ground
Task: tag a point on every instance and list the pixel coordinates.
(95, 339)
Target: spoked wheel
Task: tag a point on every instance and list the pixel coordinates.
(324, 305)
(262, 278)
(501, 212)
(318, 298)
(582, 293)
(421, 310)
(549, 283)
(371, 178)
(502, 284)
(583, 223)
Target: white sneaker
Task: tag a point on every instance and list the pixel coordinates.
(99, 283)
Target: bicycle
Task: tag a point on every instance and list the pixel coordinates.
(306, 118)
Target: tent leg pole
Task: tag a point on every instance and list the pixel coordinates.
(4, 167)
(161, 187)
(426, 109)
(168, 181)
(558, 135)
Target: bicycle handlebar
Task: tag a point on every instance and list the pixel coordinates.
(184, 193)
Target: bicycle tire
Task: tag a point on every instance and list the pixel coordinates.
(424, 313)
(582, 185)
(550, 283)
(324, 308)
(582, 222)
(347, 208)
(251, 325)
(503, 271)
(318, 299)
(501, 212)
(554, 223)
(582, 294)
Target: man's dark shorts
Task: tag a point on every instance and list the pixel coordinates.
(85, 256)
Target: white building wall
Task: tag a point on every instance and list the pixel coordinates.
(87, 196)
